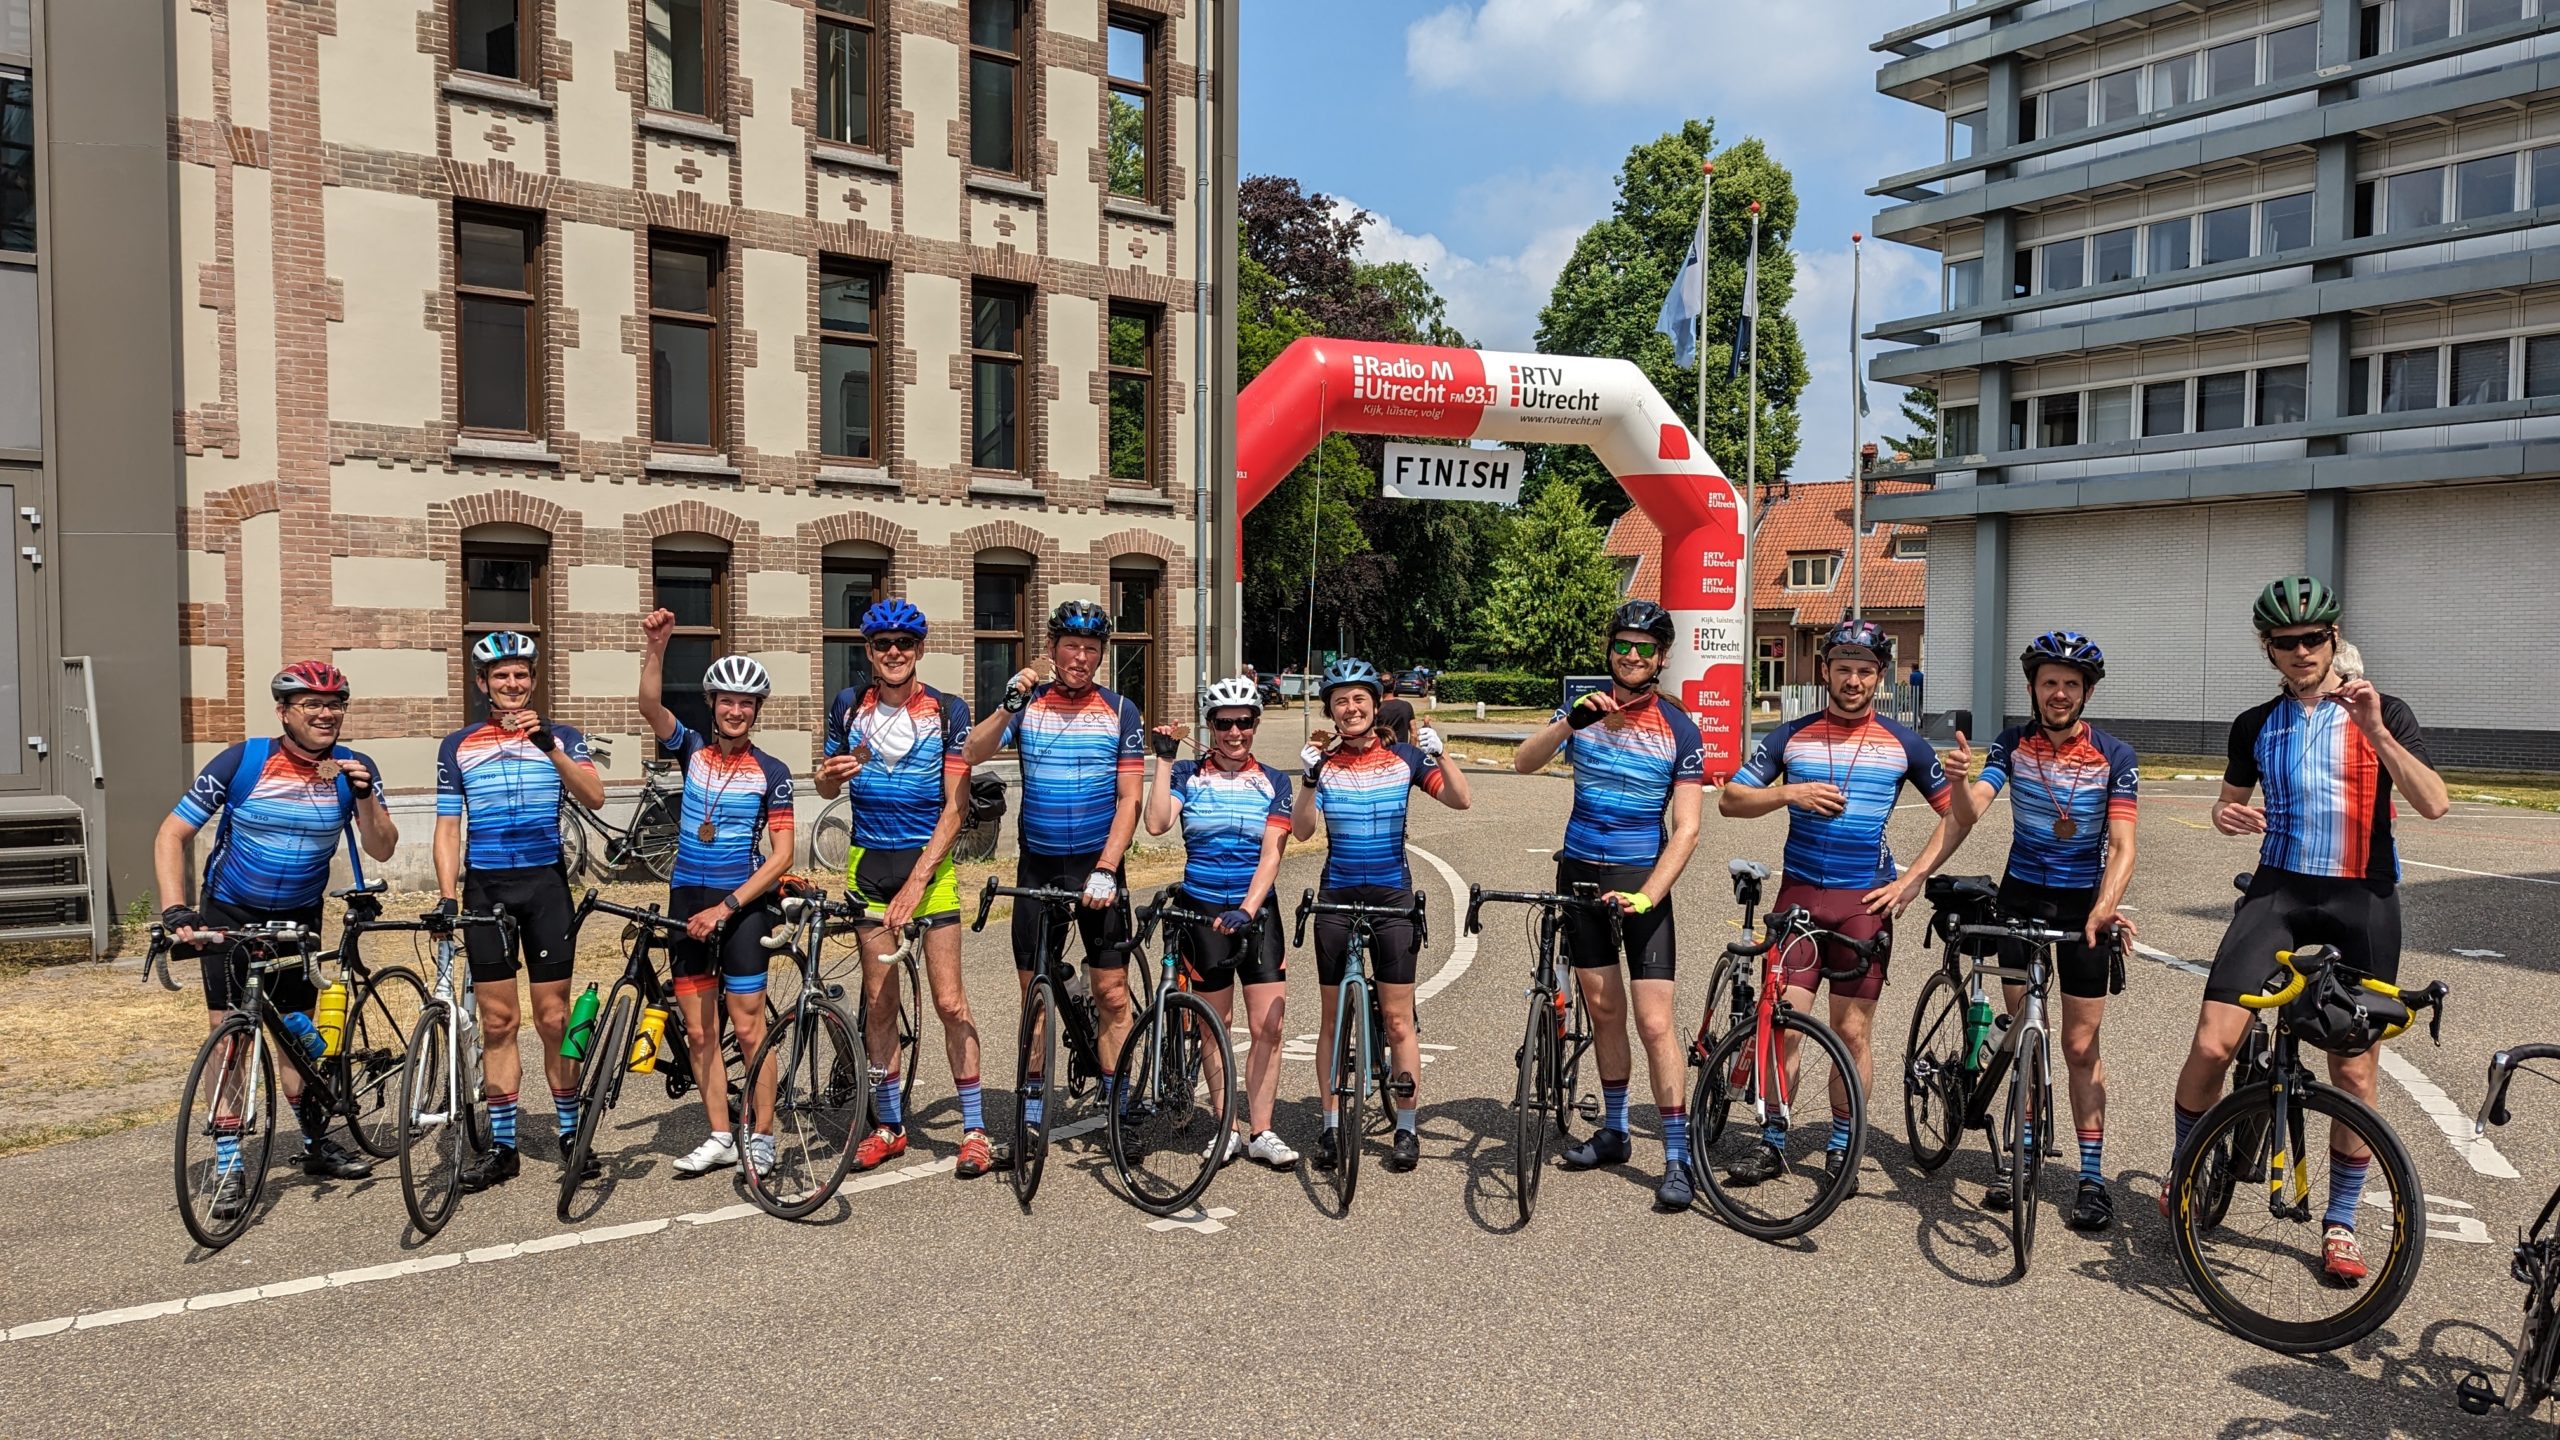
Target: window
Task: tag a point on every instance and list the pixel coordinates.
(997, 636)
(1910, 547)
(1771, 670)
(995, 85)
(2409, 380)
(2284, 394)
(2017, 425)
(2363, 225)
(995, 376)
(1965, 134)
(2420, 22)
(2067, 109)
(2360, 385)
(504, 587)
(2057, 421)
(2480, 372)
(493, 37)
(2062, 265)
(2027, 109)
(2484, 187)
(2293, 51)
(2119, 96)
(2222, 401)
(17, 163)
(1133, 393)
(2111, 257)
(1131, 163)
(1134, 593)
(2110, 414)
(2173, 82)
(691, 584)
(679, 35)
(2226, 234)
(684, 342)
(2170, 241)
(2542, 366)
(2481, 14)
(2231, 67)
(2369, 32)
(848, 79)
(849, 361)
(497, 273)
(2546, 176)
(2022, 273)
(2284, 223)
(2164, 408)
(1960, 430)
(847, 586)
(1964, 283)
(1811, 571)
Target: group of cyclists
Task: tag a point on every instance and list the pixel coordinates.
(2323, 760)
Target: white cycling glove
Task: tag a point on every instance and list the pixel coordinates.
(1308, 759)
(1427, 740)
(1099, 887)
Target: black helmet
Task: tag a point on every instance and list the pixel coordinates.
(1646, 616)
(2294, 600)
(1080, 617)
(2064, 647)
(1856, 633)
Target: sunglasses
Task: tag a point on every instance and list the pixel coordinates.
(1234, 722)
(1641, 649)
(2312, 641)
(896, 642)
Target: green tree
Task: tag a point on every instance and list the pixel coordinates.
(1126, 148)
(1552, 590)
(1920, 407)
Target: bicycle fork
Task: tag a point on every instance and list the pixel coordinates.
(2288, 1175)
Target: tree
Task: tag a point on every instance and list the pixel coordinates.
(1553, 588)
(1920, 407)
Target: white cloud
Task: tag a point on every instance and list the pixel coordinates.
(1897, 281)
(1494, 300)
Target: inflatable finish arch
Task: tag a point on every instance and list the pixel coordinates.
(1320, 386)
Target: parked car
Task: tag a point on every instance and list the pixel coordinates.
(1415, 681)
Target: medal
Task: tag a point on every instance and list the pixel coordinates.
(328, 770)
(1614, 720)
(708, 833)
(2065, 828)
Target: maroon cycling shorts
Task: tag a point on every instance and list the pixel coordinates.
(1844, 911)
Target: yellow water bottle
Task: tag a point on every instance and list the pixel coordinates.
(330, 1018)
(652, 1038)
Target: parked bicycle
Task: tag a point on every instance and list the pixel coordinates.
(2535, 1263)
(831, 838)
(822, 1078)
(1178, 1080)
(1360, 1066)
(444, 1111)
(646, 839)
(1550, 1093)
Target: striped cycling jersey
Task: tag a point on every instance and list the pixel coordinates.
(1075, 747)
(2090, 778)
(1365, 795)
(737, 795)
(1868, 759)
(1225, 814)
(280, 824)
(2328, 797)
(509, 791)
(1622, 781)
(898, 794)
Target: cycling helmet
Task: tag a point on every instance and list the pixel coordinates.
(736, 675)
(2294, 600)
(1643, 615)
(1349, 671)
(310, 677)
(2064, 647)
(1233, 693)
(1853, 633)
(1082, 618)
(894, 617)
(488, 650)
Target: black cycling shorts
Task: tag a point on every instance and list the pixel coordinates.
(1216, 961)
(739, 940)
(1105, 931)
(537, 899)
(1391, 942)
(2082, 971)
(225, 970)
(1652, 948)
(2285, 910)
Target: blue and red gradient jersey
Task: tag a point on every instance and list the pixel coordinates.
(1075, 747)
(735, 797)
(1365, 796)
(1225, 815)
(280, 824)
(2078, 786)
(1868, 759)
(897, 794)
(2328, 797)
(508, 791)
(1623, 775)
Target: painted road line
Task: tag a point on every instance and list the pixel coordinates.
(1195, 1220)
(2483, 874)
(1462, 953)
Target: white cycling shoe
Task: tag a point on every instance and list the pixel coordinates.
(717, 1152)
(1271, 1150)
(760, 1155)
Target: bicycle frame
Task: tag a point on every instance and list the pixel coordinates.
(1174, 974)
(1358, 988)
(2015, 1031)
(460, 1087)
(2287, 1078)
(1079, 1028)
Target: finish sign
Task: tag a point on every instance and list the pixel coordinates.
(1452, 472)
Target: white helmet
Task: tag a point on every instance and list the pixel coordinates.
(1233, 693)
(736, 675)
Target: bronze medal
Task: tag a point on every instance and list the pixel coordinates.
(708, 833)
(1614, 720)
(2064, 827)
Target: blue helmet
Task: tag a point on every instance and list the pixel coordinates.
(489, 649)
(1080, 617)
(2064, 647)
(1350, 671)
(893, 617)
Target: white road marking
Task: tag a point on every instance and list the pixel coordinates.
(2483, 874)
(2481, 954)
(1462, 952)
(1195, 1220)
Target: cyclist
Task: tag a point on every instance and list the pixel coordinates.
(899, 744)
(1234, 812)
(1082, 751)
(1842, 766)
(720, 887)
(284, 802)
(2327, 753)
(2072, 787)
(1639, 775)
(507, 774)
(1362, 783)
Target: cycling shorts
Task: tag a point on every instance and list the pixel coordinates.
(875, 877)
(2286, 910)
(1652, 948)
(1844, 911)
(1216, 961)
(1105, 931)
(735, 952)
(2082, 971)
(1391, 941)
(537, 899)
(225, 971)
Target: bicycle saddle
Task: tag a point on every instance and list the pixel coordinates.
(1746, 869)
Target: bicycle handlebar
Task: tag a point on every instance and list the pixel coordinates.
(2429, 997)
(1308, 905)
(795, 908)
(652, 917)
(277, 933)
(1797, 921)
(2502, 1071)
(1047, 895)
(1169, 905)
(2034, 933)
(1584, 896)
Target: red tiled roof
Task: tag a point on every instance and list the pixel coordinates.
(1795, 519)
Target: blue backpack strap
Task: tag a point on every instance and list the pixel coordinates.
(347, 807)
(253, 763)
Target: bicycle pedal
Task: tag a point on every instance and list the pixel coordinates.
(2473, 1393)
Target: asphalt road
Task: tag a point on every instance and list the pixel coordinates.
(919, 1303)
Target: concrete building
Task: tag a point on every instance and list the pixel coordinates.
(2234, 290)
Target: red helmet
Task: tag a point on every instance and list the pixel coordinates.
(310, 677)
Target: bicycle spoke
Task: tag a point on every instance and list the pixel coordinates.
(226, 1130)
(821, 1091)
(1785, 1108)
(1177, 1098)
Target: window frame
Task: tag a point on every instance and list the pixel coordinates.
(1018, 60)
(1828, 560)
(850, 633)
(538, 605)
(710, 37)
(528, 43)
(1910, 547)
(532, 224)
(869, 25)
(1151, 385)
(19, 71)
(1151, 705)
(1019, 359)
(840, 268)
(1019, 637)
(721, 564)
(1947, 428)
(1151, 37)
(711, 319)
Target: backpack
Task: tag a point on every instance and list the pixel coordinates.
(253, 760)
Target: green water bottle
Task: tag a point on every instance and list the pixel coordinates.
(582, 1025)
(1977, 1029)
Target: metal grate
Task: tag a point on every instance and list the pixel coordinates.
(24, 873)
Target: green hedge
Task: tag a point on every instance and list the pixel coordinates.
(1498, 687)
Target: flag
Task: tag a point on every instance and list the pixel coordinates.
(1688, 298)
(1750, 305)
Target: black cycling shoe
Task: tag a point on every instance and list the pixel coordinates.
(1407, 1152)
(330, 1160)
(1762, 1164)
(1835, 1161)
(1328, 1148)
(1996, 1199)
(230, 1196)
(1674, 1192)
(498, 1166)
(1605, 1147)
(2095, 1210)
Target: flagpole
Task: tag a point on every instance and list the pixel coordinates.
(1706, 201)
(1706, 272)
(1857, 446)
(1751, 394)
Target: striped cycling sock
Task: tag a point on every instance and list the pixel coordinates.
(1675, 1136)
(1613, 1094)
(2346, 1187)
(973, 1112)
(2093, 1146)
(1110, 1091)
(891, 1101)
(1774, 1135)
(1839, 1134)
(1031, 1106)
(1333, 1119)
(2186, 1126)
(226, 1153)
(1405, 1117)
(564, 1107)
(502, 1120)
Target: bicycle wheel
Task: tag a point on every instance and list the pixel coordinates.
(573, 839)
(2260, 1270)
(822, 1090)
(433, 1123)
(599, 1085)
(381, 1017)
(831, 839)
(1168, 1131)
(2030, 1126)
(1349, 1069)
(1531, 1097)
(1577, 1096)
(1719, 1016)
(1813, 1089)
(911, 1002)
(653, 833)
(1035, 1062)
(1934, 1084)
(2240, 1156)
(226, 1129)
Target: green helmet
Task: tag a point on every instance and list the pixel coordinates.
(2294, 600)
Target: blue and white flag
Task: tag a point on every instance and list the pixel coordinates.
(1688, 298)
(1750, 305)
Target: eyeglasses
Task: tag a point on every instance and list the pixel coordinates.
(2312, 641)
(321, 707)
(1234, 722)
(896, 642)
(1641, 649)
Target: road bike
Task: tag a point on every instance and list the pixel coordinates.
(1360, 1066)
(647, 839)
(1052, 1009)
(2259, 1268)
(2535, 1264)
(444, 1105)
(1550, 1093)
(822, 1076)
(1756, 1055)
(1178, 1086)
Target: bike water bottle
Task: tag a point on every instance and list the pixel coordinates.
(331, 1018)
(306, 1034)
(582, 1025)
(650, 1042)
(1977, 1028)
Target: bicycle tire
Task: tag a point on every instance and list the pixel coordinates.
(1935, 1088)
(2238, 1157)
(822, 1089)
(2030, 1127)
(1530, 1097)
(429, 1187)
(1038, 1040)
(911, 1002)
(2537, 1343)
(2384, 1286)
(1718, 1017)
(831, 838)
(1168, 1072)
(198, 1176)
(1349, 1069)
(653, 838)
(599, 1085)
(574, 843)
(1727, 1200)
(1577, 1100)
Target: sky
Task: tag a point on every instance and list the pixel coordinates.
(1485, 135)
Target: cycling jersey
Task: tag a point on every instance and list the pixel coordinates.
(510, 791)
(2079, 786)
(736, 795)
(1225, 814)
(280, 823)
(1074, 749)
(1868, 759)
(2328, 797)
(1364, 795)
(1623, 774)
(897, 794)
